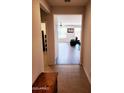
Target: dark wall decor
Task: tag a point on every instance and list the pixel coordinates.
(70, 30)
(43, 43)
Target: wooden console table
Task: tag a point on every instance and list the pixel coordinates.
(45, 83)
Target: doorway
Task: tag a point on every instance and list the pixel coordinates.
(67, 29)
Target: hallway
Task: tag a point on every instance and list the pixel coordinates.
(68, 54)
(71, 79)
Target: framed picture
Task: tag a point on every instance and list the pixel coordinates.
(70, 30)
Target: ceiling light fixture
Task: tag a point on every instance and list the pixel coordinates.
(67, 1)
(60, 23)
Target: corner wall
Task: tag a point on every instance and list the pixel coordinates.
(50, 39)
(86, 42)
(37, 52)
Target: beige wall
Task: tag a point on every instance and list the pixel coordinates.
(86, 42)
(50, 28)
(50, 39)
(56, 36)
(37, 53)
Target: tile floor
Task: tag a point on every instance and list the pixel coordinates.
(68, 54)
(71, 79)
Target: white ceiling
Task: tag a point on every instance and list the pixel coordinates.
(62, 2)
(69, 19)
